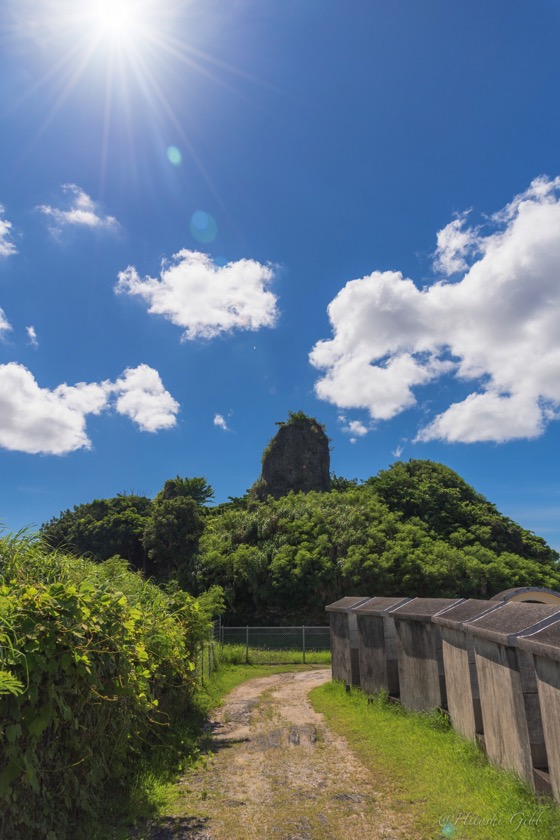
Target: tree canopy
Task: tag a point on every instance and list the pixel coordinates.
(452, 509)
(196, 488)
(158, 537)
(415, 529)
(102, 529)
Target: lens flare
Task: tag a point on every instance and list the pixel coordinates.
(203, 227)
(174, 156)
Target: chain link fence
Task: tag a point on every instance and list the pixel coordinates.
(278, 644)
(208, 654)
(261, 645)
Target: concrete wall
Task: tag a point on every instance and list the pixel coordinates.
(495, 663)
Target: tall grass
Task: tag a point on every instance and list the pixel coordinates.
(240, 655)
(442, 780)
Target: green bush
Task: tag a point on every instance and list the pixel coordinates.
(95, 665)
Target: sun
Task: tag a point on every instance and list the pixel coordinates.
(117, 21)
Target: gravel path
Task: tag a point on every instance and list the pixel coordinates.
(275, 772)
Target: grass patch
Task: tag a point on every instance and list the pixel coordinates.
(237, 655)
(441, 780)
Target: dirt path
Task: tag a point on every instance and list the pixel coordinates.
(275, 772)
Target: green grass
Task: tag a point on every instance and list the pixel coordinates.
(237, 655)
(429, 772)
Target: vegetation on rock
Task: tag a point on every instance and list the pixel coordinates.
(297, 459)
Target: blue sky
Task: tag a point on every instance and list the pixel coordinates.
(215, 213)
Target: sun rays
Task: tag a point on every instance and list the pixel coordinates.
(124, 60)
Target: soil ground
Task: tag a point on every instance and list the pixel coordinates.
(275, 772)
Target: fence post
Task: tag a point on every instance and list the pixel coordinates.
(247, 645)
(303, 642)
(202, 661)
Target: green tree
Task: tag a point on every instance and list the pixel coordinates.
(453, 510)
(338, 482)
(171, 537)
(196, 488)
(102, 529)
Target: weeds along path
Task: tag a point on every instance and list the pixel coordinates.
(275, 772)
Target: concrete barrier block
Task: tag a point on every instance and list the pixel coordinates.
(544, 647)
(378, 661)
(419, 652)
(463, 695)
(530, 595)
(513, 730)
(344, 639)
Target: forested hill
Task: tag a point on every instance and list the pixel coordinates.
(415, 529)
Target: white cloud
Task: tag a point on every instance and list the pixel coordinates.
(481, 416)
(497, 326)
(221, 422)
(7, 247)
(203, 298)
(5, 325)
(143, 398)
(353, 427)
(53, 422)
(38, 420)
(83, 212)
(32, 336)
(455, 243)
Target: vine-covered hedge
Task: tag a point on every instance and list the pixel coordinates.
(96, 665)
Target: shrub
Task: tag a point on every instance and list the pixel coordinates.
(96, 664)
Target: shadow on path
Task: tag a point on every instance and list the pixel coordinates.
(178, 828)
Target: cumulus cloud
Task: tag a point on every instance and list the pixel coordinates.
(7, 247)
(32, 336)
(34, 419)
(5, 325)
(221, 422)
(205, 299)
(142, 397)
(82, 212)
(53, 422)
(495, 327)
(355, 428)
